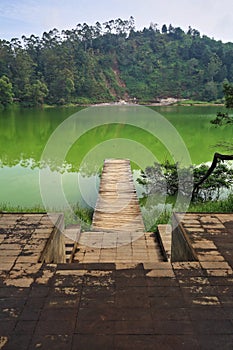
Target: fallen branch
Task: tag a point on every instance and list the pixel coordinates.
(217, 158)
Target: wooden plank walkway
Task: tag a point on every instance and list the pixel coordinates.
(117, 207)
(118, 234)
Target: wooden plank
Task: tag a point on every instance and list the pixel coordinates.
(117, 206)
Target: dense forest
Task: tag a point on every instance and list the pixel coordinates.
(112, 61)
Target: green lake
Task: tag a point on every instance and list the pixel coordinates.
(74, 154)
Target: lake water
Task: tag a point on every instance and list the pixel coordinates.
(41, 149)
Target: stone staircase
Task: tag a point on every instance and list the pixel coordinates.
(72, 236)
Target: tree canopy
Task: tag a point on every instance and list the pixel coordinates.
(113, 60)
(6, 94)
(164, 179)
(221, 119)
(228, 92)
(224, 117)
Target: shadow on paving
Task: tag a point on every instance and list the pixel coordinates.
(97, 306)
(160, 305)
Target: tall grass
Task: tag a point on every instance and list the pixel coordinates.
(9, 208)
(155, 216)
(221, 206)
(79, 215)
(152, 218)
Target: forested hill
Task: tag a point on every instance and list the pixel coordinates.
(113, 61)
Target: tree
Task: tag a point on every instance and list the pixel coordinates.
(222, 118)
(211, 91)
(164, 29)
(167, 180)
(6, 56)
(62, 86)
(221, 175)
(225, 118)
(35, 93)
(22, 69)
(213, 66)
(6, 91)
(228, 92)
(193, 32)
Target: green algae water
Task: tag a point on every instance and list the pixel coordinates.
(24, 134)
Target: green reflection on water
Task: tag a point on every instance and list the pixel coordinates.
(25, 132)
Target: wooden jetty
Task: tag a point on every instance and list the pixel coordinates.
(117, 207)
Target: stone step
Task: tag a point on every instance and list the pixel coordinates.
(112, 247)
(165, 240)
(72, 235)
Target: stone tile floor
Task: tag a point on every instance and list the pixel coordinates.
(119, 305)
(117, 247)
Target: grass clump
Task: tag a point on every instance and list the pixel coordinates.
(220, 206)
(9, 208)
(77, 215)
(158, 216)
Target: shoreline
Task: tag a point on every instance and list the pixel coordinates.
(163, 103)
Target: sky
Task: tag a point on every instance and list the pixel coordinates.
(213, 18)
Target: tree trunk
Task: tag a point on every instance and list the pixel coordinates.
(217, 158)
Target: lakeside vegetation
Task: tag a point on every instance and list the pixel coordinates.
(218, 206)
(163, 182)
(166, 180)
(113, 61)
(83, 216)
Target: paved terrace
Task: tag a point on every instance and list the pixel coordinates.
(137, 304)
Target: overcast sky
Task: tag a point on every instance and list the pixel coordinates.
(24, 17)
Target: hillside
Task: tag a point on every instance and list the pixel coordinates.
(114, 61)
